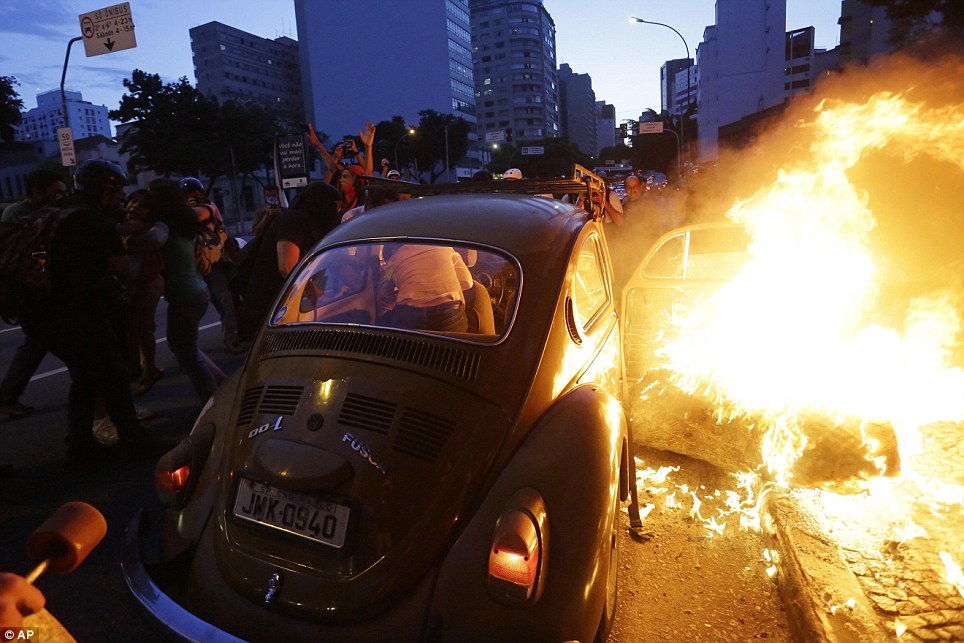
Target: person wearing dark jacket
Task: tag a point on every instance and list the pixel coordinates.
(84, 324)
(293, 233)
(43, 187)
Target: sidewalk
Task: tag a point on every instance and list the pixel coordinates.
(874, 568)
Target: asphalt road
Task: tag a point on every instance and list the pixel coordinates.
(677, 584)
(92, 601)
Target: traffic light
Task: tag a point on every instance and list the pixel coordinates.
(508, 134)
(623, 130)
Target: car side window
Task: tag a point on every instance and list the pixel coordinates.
(667, 261)
(714, 254)
(589, 293)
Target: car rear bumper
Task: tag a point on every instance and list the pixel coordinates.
(159, 607)
(219, 607)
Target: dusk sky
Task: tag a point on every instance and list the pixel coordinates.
(595, 38)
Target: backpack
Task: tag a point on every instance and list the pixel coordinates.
(24, 258)
(209, 244)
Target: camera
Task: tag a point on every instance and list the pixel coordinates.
(348, 147)
(273, 201)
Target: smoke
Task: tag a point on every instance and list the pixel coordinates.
(909, 171)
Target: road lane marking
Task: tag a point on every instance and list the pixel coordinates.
(63, 369)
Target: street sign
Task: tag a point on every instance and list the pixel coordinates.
(494, 137)
(651, 128)
(66, 138)
(530, 151)
(107, 30)
(291, 160)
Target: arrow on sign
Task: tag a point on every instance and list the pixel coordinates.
(109, 44)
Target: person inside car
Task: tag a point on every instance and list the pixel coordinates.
(427, 283)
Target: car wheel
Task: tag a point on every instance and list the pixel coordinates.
(609, 607)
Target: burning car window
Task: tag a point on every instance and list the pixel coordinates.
(454, 290)
(713, 254)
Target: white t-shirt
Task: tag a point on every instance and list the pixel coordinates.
(427, 275)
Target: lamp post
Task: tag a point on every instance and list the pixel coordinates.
(447, 177)
(403, 136)
(688, 88)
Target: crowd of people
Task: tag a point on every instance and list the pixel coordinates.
(119, 255)
(116, 255)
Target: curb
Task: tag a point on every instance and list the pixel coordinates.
(822, 597)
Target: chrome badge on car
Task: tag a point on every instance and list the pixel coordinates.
(266, 426)
(364, 451)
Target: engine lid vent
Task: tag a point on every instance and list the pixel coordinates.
(423, 435)
(249, 404)
(280, 399)
(368, 413)
(276, 399)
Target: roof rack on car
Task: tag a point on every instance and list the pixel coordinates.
(583, 184)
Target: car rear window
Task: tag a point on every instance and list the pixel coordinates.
(453, 290)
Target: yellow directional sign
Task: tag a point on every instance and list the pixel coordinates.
(107, 30)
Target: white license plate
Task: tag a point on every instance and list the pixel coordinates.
(321, 521)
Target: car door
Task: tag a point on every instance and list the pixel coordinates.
(683, 267)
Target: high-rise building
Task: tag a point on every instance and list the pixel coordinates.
(371, 60)
(514, 49)
(677, 86)
(741, 65)
(577, 107)
(605, 125)
(42, 122)
(800, 58)
(863, 31)
(231, 64)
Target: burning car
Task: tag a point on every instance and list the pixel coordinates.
(680, 284)
(373, 475)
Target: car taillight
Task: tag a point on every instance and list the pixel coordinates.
(514, 557)
(517, 557)
(176, 472)
(172, 482)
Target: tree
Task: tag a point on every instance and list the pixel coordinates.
(172, 128)
(503, 157)
(615, 153)
(10, 106)
(178, 130)
(248, 131)
(431, 151)
(556, 160)
(912, 18)
(388, 134)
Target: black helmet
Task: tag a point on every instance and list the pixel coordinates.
(191, 184)
(95, 175)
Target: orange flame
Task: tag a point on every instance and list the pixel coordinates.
(795, 332)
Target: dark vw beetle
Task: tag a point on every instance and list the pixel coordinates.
(364, 479)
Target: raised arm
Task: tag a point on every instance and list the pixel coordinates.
(368, 139)
(331, 163)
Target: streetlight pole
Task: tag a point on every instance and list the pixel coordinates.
(63, 77)
(447, 177)
(403, 136)
(688, 88)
